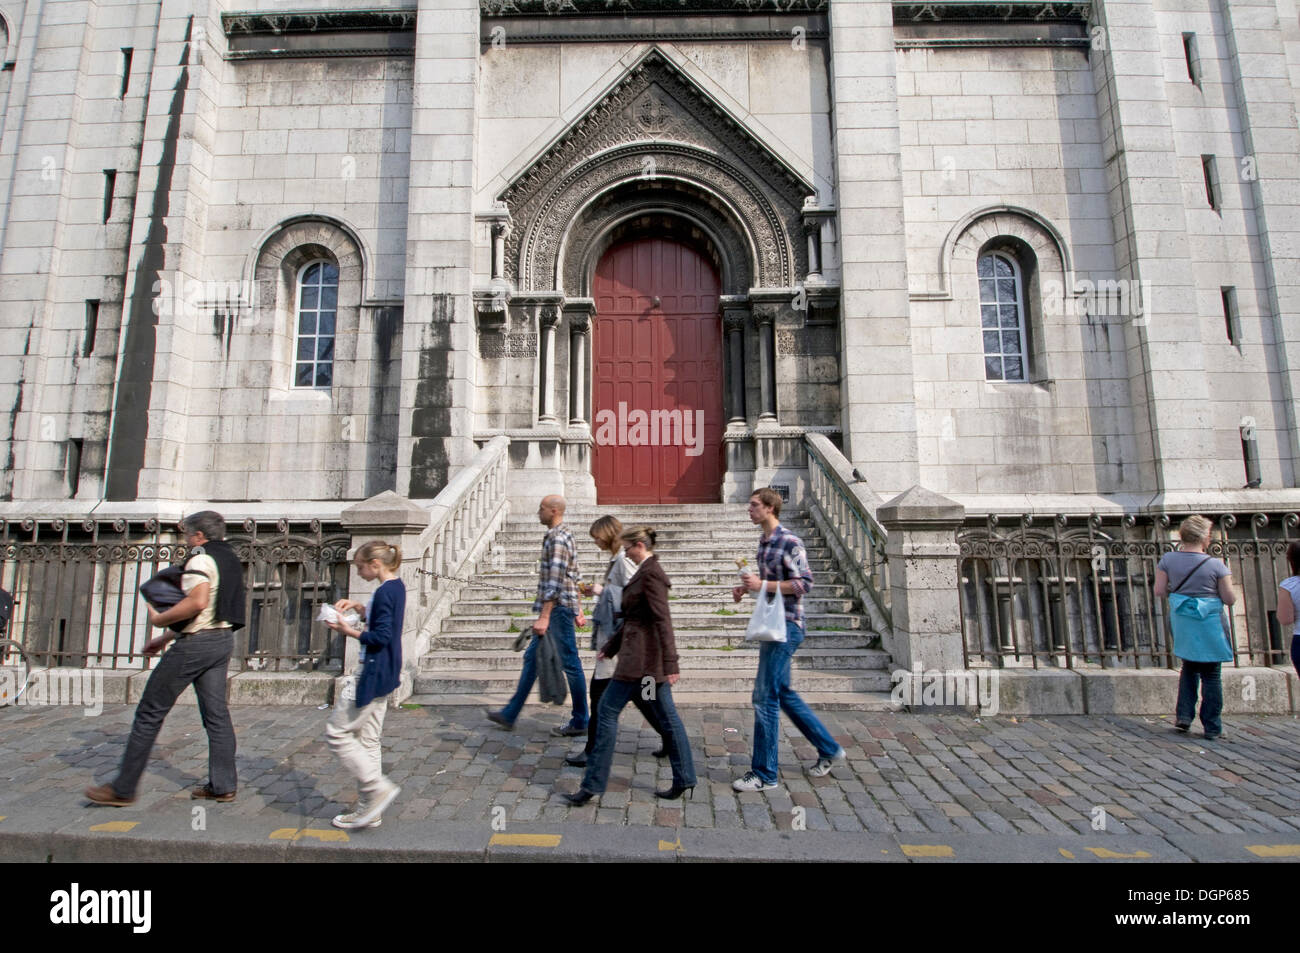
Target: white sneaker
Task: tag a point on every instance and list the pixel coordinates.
(349, 821)
(824, 766)
(366, 817)
(752, 782)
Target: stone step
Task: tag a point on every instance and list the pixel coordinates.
(682, 522)
(502, 684)
(519, 608)
(705, 543)
(687, 640)
(533, 713)
(526, 586)
(744, 656)
(718, 563)
(826, 622)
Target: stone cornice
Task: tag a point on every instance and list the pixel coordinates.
(253, 23)
(1033, 11)
(516, 8)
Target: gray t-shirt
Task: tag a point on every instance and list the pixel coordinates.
(1193, 574)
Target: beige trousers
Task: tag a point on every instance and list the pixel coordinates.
(353, 735)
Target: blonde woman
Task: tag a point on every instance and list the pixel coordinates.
(1198, 587)
(647, 666)
(356, 723)
(605, 621)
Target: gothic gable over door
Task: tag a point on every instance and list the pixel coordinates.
(656, 141)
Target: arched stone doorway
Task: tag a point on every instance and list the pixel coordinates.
(657, 384)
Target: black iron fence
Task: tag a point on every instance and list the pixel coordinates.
(77, 603)
(1066, 591)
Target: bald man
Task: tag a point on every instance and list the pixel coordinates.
(557, 606)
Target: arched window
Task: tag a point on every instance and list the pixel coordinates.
(1002, 318)
(318, 293)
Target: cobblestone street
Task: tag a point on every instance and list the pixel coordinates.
(934, 776)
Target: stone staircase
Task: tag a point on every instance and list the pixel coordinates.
(838, 665)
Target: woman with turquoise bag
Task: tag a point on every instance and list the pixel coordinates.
(1198, 587)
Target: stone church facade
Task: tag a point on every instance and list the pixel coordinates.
(1033, 255)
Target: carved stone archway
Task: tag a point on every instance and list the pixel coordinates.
(660, 135)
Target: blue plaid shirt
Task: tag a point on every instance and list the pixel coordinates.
(558, 572)
(782, 557)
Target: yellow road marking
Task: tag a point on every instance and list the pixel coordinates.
(292, 833)
(1105, 854)
(1066, 853)
(671, 845)
(928, 850)
(1259, 850)
(115, 827)
(3, 816)
(525, 840)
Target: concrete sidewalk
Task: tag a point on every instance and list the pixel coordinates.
(915, 787)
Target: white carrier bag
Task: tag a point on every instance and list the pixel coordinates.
(767, 624)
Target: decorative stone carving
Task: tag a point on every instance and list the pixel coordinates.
(807, 342)
(696, 147)
(513, 344)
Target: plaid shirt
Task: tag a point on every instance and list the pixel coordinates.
(782, 557)
(558, 571)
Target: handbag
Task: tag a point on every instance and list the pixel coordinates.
(163, 590)
(767, 624)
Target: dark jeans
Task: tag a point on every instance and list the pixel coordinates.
(617, 695)
(200, 660)
(1295, 653)
(1207, 674)
(566, 643)
(598, 686)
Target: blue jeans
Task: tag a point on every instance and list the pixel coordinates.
(773, 695)
(1211, 682)
(612, 703)
(561, 630)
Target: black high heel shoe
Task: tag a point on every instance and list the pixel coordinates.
(661, 753)
(580, 798)
(674, 792)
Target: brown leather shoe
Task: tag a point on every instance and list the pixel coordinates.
(104, 794)
(206, 793)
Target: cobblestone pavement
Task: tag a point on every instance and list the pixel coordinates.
(922, 774)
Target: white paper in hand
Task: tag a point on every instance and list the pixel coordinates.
(329, 614)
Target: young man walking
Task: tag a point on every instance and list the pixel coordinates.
(783, 564)
(557, 604)
(214, 605)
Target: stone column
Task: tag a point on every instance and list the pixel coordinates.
(1271, 142)
(1167, 360)
(733, 321)
(877, 392)
(579, 319)
(812, 223)
(765, 317)
(399, 522)
(439, 369)
(547, 319)
(921, 551)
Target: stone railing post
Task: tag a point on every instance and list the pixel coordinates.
(398, 522)
(923, 577)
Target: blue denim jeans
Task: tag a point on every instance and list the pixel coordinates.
(561, 630)
(612, 703)
(773, 695)
(1211, 689)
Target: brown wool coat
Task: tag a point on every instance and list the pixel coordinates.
(645, 645)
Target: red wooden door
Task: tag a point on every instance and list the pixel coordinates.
(656, 376)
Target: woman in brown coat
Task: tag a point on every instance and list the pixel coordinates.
(647, 665)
